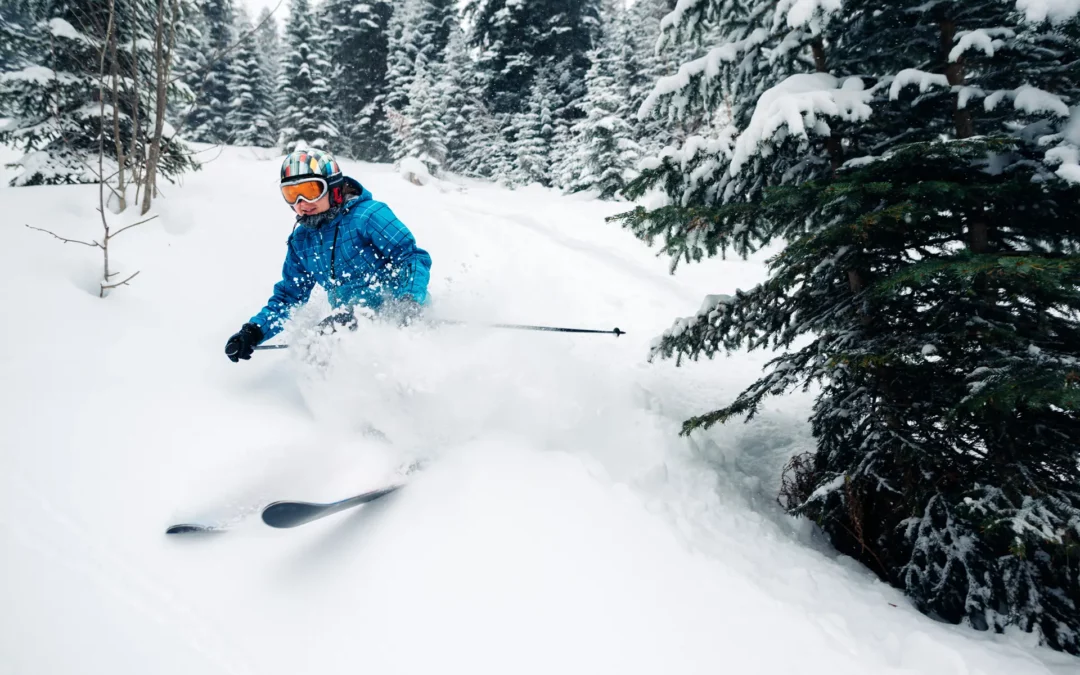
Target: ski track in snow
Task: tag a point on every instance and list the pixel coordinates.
(561, 525)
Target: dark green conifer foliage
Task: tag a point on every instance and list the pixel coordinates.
(207, 122)
(250, 119)
(52, 92)
(307, 115)
(924, 179)
(518, 39)
(357, 35)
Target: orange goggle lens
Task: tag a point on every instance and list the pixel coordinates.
(310, 190)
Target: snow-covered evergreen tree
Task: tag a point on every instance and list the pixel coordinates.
(418, 28)
(424, 134)
(16, 26)
(53, 95)
(210, 81)
(518, 39)
(250, 119)
(473, 139)
(357, 36)
(534, 133)
(920, 162)
(268, 41)
(307, 113)
(605, 152)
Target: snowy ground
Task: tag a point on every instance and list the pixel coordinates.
(561, 525)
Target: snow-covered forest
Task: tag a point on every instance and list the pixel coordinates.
(514, 92)
(840, 433)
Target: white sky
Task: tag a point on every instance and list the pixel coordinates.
(256, 6)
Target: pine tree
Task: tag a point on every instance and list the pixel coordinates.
(518, 39)
(189, 64)
(919, 159)
(307, 113)
(16, 25)
(357, 36)
(534, 133)
(437, 21)
(56, 94)
(268, 41)
(419, 28)
(472, 134)
(210, 82)
(424, 134)
(605, 151)
(250, 119)
(640, 27)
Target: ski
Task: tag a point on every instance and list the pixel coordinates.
(286, 514)
(193, 528)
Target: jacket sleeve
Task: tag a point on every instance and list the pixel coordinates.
(293, 289)
(410, 265)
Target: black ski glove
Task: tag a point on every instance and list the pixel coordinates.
(242, 344)
(342, 318)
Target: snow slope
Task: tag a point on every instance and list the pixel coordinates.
(561, 524)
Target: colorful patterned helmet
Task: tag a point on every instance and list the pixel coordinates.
(317, 163)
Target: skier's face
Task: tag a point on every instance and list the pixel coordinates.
(306, 208)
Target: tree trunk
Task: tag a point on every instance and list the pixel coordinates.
(134, 152)
(833, 144)
(105, 48)
(978, 229)
(161, 74)
(954, 73)
(118, 141)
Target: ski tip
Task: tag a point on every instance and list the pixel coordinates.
(286, 514)
(186, 528)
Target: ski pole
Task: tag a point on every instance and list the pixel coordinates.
(512, 326)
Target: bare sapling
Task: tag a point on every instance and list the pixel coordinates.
(108, 281)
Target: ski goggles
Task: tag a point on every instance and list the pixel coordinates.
(308, 188)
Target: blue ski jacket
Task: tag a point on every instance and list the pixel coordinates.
(363, 256)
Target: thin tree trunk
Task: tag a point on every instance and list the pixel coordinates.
(101, 143)
(134, 152)
(836, 151)
(161, 65)
(833, 143)
(978, 228)
(954, 73)
(118, 141)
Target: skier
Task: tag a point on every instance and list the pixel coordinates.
(350, 244)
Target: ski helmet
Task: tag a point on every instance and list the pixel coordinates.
(301, 164)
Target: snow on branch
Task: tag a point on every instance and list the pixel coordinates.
(909, 76)
(1056, 11)
(987, 39)
(676, 16)
(1067, 155)
(37, 75)
(799, 103)
(62, 29)
(1031, 100)
(709, 65)
(812, 14)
